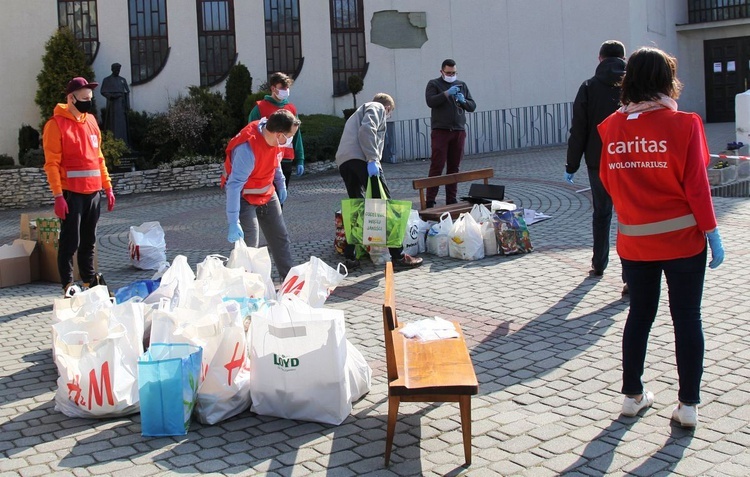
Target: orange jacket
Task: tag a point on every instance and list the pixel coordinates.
(259, 187)
(73, 158)
(266, 109)
(653, 164)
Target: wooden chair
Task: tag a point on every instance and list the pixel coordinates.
(431, 371)
(434, 213)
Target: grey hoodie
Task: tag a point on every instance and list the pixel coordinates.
(364, 135)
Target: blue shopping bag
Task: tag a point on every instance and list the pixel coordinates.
(168, 379)
(139, 288)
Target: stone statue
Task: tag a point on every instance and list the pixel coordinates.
(115, 89)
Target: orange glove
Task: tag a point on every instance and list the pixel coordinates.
(110, 199)
(61, 207)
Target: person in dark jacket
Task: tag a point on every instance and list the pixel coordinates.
(597, 98)
(449, 99)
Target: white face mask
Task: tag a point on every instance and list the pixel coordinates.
(282, 93)
(449, 79)
(288, 142)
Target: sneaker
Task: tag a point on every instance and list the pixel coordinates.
(407, 261)
(685, 415)
(429, 204)
(97, 280)
(631, 407)
(596, 273)
(625, 290)
(351, 264)
(71, 289)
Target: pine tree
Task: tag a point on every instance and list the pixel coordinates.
(239, 85)
(63, 60)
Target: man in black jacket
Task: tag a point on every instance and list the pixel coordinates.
(449, 99)
(597, 98)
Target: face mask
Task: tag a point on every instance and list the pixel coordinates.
(83, 106)
(449, 79)
(288, 142)
(282, 93)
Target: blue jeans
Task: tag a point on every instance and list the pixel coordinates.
(685, 284)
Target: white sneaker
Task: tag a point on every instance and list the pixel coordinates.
(685, 416)
(631, 407)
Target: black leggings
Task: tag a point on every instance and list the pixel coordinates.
(78, 234)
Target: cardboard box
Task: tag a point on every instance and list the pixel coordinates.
(48, 239)
(17, 262)
(28, 227)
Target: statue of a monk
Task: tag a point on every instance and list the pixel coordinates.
(115, 89)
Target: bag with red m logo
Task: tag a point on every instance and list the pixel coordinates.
(312, 281)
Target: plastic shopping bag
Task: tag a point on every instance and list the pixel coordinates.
(312, 281)
(487, 226)
(437, 238)
(411, 237)
(167, 384)
(298, 363)
(385, 223)
(213, 278)
(97, 358)
(253, 260)
(358, 373)
(466, 239)
(148, 249)
(512, 232)
(138, 288)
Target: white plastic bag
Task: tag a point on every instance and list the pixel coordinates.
(148, 249)
(97, 362)
(298, 363)
(358, 373)
(253, 260)
(312, 281)
(466, 239)
(176, 284)
(213, 278)
(437, 237)
(379, 255)
(487, 227)
(424, 227)
(411, 237)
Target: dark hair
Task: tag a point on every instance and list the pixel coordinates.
(649, 73)
(282, 121)
(282, 78)
(447, 62)
(612, 49)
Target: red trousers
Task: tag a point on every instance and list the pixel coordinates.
(447, 148)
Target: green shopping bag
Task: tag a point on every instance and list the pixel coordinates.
(379, 222)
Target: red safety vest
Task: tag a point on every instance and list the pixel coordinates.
(653, 165)
(259, 187)
(266, 108)
(79, 168)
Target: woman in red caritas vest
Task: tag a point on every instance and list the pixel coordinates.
(255, 185)
(653, 164)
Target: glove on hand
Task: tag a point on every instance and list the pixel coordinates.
(569, 177)
(453, 90)
(235, 232)
(460, 98)
(61, 207)
(373, 169)
(717, 249)
(300, 170)
(281, 193)
(110, 199)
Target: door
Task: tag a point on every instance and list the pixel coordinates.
(727, 67)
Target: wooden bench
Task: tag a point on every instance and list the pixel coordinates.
(434, 213)
(430, 371)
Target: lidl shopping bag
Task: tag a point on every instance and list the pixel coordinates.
(374, 221)
(312, 281)
(97, 361)
(167, 384)
(298, 363)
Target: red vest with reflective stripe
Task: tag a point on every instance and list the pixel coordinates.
(266, 108)
(79, 168)
(259, 188)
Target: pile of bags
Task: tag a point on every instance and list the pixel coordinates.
(209, 344)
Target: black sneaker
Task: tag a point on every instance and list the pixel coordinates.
(594, 273)
(70, 289)
(351, 264)
(625, 290)
(429, 204)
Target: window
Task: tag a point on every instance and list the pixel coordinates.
(149, 43)
(217, 50)
(283, 37)
(80, 17)
(347, 43)
(700, 11)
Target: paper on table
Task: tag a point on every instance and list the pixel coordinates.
(430, 329)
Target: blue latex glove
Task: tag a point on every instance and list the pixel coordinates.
(717, 249)
(569, 177)
(460, 98)
(453, 90)
(235, 232)
(300, 170)
(373, 169)
(281, 193)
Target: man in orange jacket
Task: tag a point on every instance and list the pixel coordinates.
(76, 173)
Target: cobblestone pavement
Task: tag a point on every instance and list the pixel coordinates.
(544, 339)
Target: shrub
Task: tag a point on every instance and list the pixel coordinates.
(250, 102)
(28, 138)
(239, 84)
(32, 158)
(220, 126)
(63, 60)
(113, 149)
(192, 161)
(7, 162)
(187, 124)
(355, 85)
(321, 134)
